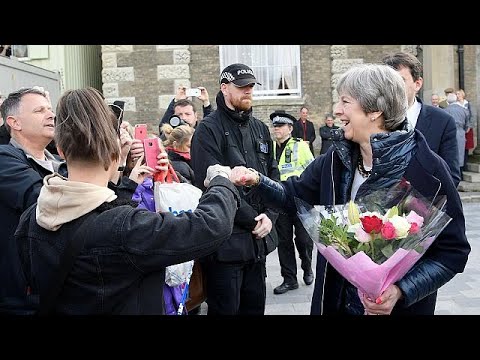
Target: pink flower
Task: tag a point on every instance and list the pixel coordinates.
(414, 228)
(413, 217)
(362, 236)
(388, 231)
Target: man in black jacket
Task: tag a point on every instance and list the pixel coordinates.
(231, 136)
(29, 121)
(304, 129)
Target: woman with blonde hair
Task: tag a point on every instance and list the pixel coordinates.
(177, 145)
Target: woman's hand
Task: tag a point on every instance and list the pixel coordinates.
(140, 172)
(383, 305)
(241, 176)
(125, 143)
(162, 161)
(136, 149)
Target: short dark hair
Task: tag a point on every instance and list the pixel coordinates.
(404, 59)
(185, 102)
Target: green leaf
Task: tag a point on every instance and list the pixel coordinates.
(393, 211)
(387, 250)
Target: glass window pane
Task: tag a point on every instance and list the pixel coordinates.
(276, 67)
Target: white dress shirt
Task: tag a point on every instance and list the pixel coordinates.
(412, 114)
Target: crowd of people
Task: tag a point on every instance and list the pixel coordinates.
(83, 236)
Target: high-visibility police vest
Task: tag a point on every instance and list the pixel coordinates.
(294, 159)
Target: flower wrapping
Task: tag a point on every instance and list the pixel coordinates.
(375, 241)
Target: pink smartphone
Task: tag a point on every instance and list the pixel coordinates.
(141, 131)
(152, 149)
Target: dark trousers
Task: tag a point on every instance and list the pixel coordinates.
(465, 160)
(236, 289)
(286, 249)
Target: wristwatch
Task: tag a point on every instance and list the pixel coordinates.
(257, 179)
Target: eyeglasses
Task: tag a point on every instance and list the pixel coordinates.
(118, 111)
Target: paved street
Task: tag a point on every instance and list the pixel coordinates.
(461, 296)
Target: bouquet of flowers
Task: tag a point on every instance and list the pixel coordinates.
(375, 241)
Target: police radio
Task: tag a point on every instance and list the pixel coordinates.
(288, 155)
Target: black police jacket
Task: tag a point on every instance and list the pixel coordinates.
(230, 138)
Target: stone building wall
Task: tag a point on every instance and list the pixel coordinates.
(146, 77)
(205, 70)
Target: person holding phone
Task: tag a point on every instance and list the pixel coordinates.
(184, 108)
(120, 269)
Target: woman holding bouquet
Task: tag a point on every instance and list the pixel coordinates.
(374, 150)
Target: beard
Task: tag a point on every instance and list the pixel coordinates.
(242, 104)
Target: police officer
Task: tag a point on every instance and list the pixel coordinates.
(293, 156)
(231, 136)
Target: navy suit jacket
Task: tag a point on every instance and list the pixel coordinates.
(438, 128)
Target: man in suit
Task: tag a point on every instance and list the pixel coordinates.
(435, 124)
(304, 129)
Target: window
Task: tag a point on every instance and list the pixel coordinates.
(276, 67)
(20, 51)
(30, 52)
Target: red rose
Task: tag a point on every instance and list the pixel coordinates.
(371, 224)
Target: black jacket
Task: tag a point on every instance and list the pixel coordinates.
(327, 138)
(310, 133)
(121, 268)
(21, 180)
(181, 165)
(4, 135)
(229, 138)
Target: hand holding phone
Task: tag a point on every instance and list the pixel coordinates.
(141, 131)
(152, 149)
(193, 92)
